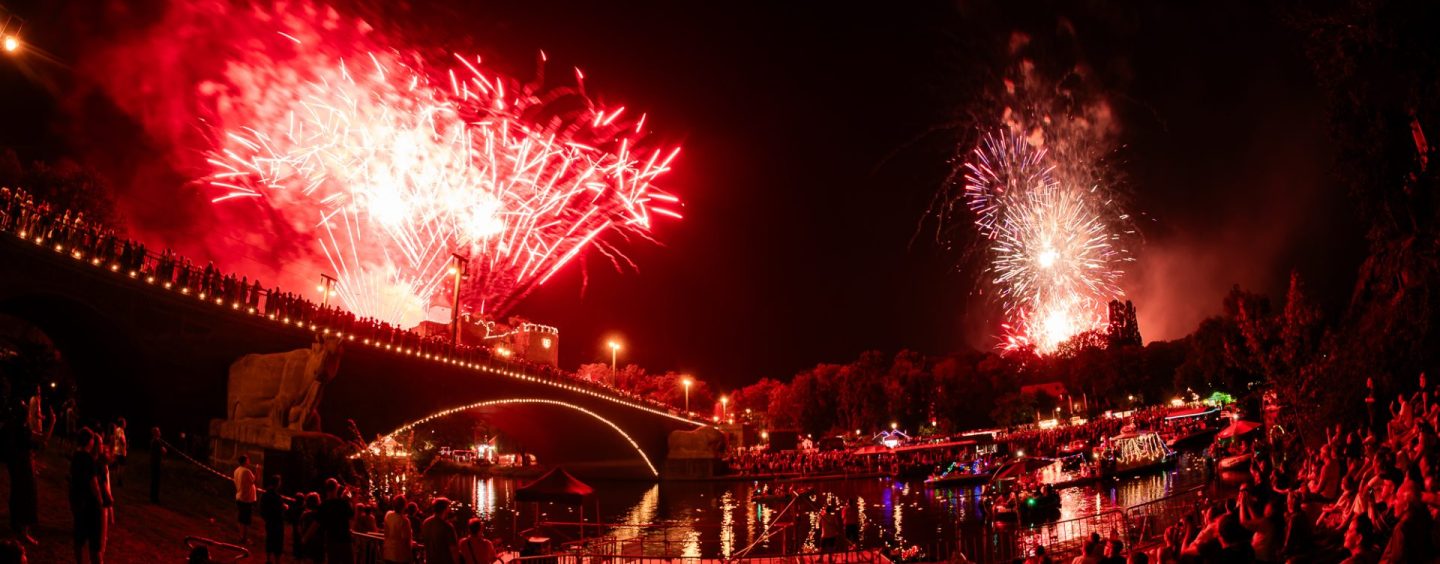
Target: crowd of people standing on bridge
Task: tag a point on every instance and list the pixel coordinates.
(72, 232)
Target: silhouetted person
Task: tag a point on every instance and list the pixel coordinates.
(20, 446)
(85, 499)
(272, 511)
(475, 548)
(335, 515)
(437, 535)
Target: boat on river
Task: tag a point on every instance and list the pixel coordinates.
(1133, 453)
(780, 497)
(1237, 463)
(962, 475)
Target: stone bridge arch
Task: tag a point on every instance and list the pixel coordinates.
(549, 441)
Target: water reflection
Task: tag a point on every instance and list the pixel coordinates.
(719, 519)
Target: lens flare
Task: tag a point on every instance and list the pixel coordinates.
(1053, 254)
(395, 165)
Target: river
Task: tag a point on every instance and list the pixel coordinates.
(718, 519)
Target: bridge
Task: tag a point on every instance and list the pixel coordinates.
(156, 351)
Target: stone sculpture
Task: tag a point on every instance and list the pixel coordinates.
(282, 390)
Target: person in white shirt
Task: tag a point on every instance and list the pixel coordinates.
(119, 451)
(245, 496)
(399, 534)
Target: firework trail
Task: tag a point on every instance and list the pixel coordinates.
(399, 166)
(1052, 253)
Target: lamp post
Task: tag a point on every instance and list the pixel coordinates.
(614, 348)
(724, 404)
(457, 269)
(327, 283)
(686, 382)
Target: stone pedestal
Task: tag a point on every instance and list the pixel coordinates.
(301, 458)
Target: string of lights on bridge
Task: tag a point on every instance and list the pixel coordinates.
(489, 403)
(414, 352)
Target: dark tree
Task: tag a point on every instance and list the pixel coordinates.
(1124, 329)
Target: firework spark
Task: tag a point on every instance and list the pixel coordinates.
(1053, 255)
(399, 165)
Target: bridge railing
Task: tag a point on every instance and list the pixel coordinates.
(86, 241)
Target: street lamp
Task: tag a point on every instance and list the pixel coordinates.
(724, 405)
(12, 44)
(614, 348)
(687, 382)
(326, 288)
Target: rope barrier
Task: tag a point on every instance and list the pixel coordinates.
(211, 469)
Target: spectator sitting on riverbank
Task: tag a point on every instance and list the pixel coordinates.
(1354, 494)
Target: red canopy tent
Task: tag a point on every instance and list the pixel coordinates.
(1239, 428)
(558, 486)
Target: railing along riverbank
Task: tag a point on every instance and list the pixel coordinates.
(1140, 527)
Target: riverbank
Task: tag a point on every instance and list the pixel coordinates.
(193, 503)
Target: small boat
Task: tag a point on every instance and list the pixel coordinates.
(1237, 463)
(1031, 508)
(1074, 447)
(962, 474)
(958, 478)
(1135, 453)
(779, 497)
(1071, 462)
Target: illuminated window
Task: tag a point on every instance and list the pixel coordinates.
(545, 342)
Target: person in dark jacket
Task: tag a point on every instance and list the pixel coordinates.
(272, 511)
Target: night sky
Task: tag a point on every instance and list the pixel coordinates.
(815, 136)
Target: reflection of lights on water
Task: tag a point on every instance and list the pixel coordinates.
(860, 516)
(483, 499)
(898, 518)
(691, 544)
(752, 517)
(642, 513)
(727, 524)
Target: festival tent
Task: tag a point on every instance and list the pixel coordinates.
(558, 486)
(1011, 470)
(1239, 428)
